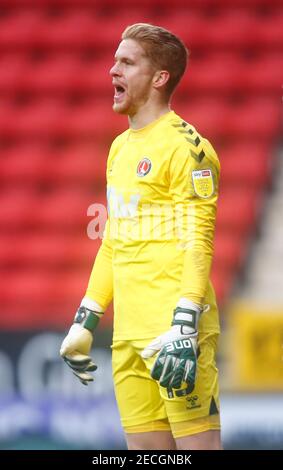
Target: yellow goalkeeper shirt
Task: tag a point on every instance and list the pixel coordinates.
(162, 187)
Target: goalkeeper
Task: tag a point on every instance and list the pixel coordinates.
(155, 258)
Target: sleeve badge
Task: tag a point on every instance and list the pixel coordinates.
(203, 183)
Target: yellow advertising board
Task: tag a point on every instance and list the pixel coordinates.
(256, 347)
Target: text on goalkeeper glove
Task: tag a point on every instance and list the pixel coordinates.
(176, 362)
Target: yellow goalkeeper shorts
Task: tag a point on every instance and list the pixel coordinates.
(144, 406)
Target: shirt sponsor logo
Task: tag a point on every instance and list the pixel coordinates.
(144, 167)
(203, 183)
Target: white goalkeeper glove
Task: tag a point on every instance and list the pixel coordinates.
(176, 362)
(76, 346)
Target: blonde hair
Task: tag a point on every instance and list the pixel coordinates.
(165, 50)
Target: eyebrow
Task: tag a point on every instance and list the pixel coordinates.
(116, 57)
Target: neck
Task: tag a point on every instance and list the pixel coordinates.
(146, 115)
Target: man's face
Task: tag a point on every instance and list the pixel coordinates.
(132, 76)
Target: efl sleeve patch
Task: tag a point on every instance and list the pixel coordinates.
(203, 183)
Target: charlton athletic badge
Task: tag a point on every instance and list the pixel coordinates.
(144, 167)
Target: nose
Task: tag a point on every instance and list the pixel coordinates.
(114, 71)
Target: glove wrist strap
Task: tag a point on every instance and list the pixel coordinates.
(87, 318)
(186, 317)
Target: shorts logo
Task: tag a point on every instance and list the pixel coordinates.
(193, 402)
(144, 167)
(203, 183)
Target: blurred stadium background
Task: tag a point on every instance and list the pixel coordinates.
(56, 124)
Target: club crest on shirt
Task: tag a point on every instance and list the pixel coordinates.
(144, 167)
(203, 182)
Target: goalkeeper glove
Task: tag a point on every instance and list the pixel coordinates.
(76, 346)
(177, 358)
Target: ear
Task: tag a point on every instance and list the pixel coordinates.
(160, 78)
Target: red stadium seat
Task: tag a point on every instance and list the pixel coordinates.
(47, 250)
(229, 250)
(270, 31)
(18, 28)
(35, 164)
(48, 119)
(208, 116)
(71, 29)
(52, 75)
(42, 300)
(222, 280)
(246, 164)
(265, 74)
(219, 118)
(14, 68)
(229, 73)
(22, 163)
(7, 119)
(255, 118)
(78, 164)
(43, 119)
(238, 209)
(220, 73)
(93, 119)
(227, 29)
(94, 76)
(18, 208)
(66, 210)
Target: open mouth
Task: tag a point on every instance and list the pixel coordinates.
(119, 92)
